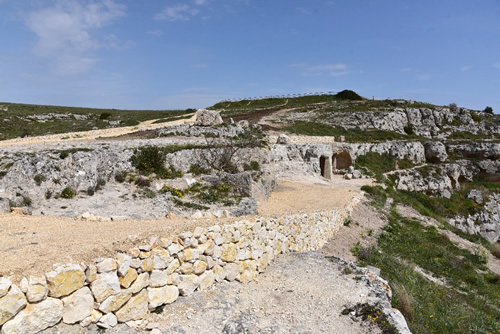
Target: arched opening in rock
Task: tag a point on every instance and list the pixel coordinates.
(342, 160)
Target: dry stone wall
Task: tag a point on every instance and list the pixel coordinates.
(128, 286)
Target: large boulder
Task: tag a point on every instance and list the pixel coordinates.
(35, 317)
(206, 117)
(435, 152)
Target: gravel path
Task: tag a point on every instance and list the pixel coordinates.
(298, 293)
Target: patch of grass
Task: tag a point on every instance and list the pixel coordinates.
(148, 193)
(189, 205)
(470, 302)
(39, 178)
(197, 170)
(377, 164)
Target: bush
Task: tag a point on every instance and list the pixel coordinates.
(254, 165)
(197, 170)
(149, 159)
(409, 129)
(105, 115)
(142, 182)
(26, 200)
(174, 191)
(90, 191)
(67, 193)
(39, 178)
(488, 110)
(453, 106)
(347, 94)
(121, 176)
(48, 194)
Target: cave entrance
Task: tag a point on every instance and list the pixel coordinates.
(342, 160)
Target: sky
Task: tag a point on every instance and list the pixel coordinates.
(173, 54)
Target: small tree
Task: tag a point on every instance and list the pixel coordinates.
(488, 110)
(221, 152)
(453, 106)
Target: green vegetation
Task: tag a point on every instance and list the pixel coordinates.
(197, 170)
(469, 299)
(151, 159)
(33, 120)
(372, 314)
(351, 135)
(376, 164)
(190, 205)
(67, 193)
(121, 176)
(39, 178)
(253, 166)
(172, 190)
(63, 154)
(488, 110)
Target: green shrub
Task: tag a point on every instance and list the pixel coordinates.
(254, 165)
(48, 194)
(39, 178)
(149, 193)
(409, 129)
(348, 95)
(26, 200)
(488, 110)
(90, 191)
(142, 182)
(197, 170)
(121, 176)
(105, 115)
(174, 191)
(149, 159)
(67, 193)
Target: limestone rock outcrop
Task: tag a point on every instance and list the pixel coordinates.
(206, 117)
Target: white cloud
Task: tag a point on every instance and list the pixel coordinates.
(423, 76)
(497, 65)
(200, 2)
(334, 70)
(156, 33)
(465, 68)
(179, 12)
(66, 33)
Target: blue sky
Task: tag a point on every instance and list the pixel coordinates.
(165, 54)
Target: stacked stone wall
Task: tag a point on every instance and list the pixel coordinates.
(128, 286)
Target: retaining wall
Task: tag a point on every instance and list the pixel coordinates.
(128, 286)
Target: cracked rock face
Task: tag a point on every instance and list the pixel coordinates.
(486, 223)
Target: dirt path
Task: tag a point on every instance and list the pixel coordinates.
(32, 244)
(298, 293)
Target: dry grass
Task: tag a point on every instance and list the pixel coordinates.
(403, 300)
